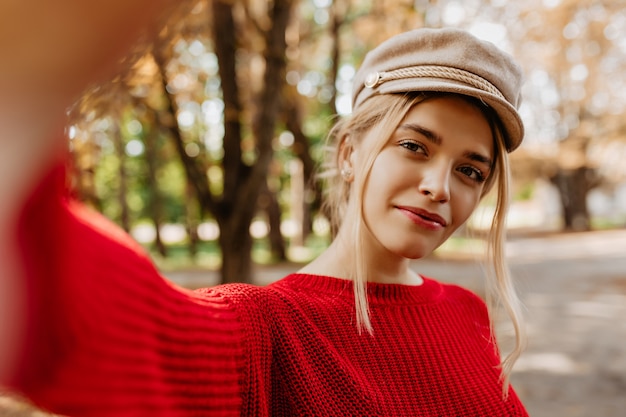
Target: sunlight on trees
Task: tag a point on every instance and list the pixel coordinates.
(170, 142)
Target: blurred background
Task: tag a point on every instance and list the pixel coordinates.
(217, 128)
(205, 150)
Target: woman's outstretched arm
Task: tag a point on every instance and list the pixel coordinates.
(50, 52)
(87, 325)
(106, 334)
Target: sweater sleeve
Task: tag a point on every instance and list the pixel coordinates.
(107, 334)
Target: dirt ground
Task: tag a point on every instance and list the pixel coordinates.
(574, 290)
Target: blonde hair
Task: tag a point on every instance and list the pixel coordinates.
(499, 284)
(380, 116)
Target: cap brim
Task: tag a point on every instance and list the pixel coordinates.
(511, 122)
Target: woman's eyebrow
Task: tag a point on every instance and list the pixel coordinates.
(436, 139)
(427, 133)
(474, 156)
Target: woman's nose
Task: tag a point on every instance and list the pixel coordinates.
(435, 183)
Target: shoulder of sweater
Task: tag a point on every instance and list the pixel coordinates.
(262, 305)
(253, 306)
(457, 293)
(244, 297)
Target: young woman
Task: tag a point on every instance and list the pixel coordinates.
(356, 332)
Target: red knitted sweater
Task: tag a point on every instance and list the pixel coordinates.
(111, 337)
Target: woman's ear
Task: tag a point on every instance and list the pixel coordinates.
(345, 159)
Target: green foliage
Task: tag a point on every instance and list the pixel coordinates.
(171, 182)
(106, 183)
(525, 192)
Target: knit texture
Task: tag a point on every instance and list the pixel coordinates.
(430, 355)
(111, 337)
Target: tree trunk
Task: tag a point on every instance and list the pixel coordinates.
(155, 205)
(196, 174)
(274, 214)
(292, 117)
(238, 205)
(198, 183)
(242, 184)
(573, 186)
(224, 36)
(158, 241)
(236, 246)
(123, 178)
(191, 222)
(338, 11)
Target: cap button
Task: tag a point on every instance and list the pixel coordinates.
(372, 79)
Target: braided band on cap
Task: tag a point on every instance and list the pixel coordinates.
(433, 71)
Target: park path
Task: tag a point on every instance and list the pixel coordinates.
(574, 289)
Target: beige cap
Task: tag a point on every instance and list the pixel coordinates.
(446, 60)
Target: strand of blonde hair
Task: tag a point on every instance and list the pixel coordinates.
(500, 289)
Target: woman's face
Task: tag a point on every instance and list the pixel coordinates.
(428, 178)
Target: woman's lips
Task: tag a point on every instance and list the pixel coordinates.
(423, 218)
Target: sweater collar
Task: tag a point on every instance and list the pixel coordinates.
(430, 291)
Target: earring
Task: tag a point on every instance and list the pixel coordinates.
(346, 173)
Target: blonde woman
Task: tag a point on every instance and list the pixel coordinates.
(356, 332)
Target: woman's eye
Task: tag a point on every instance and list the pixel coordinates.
(412, 146)
(472, 173)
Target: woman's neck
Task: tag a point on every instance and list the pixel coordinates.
(381, 266)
